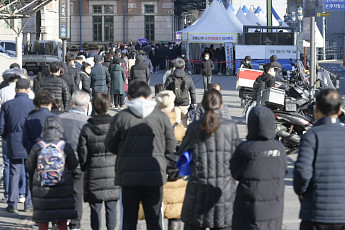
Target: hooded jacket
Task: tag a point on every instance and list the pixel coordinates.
(179, 73)
(140, 136)
(274, 62)
(98, 165)
(319, 173)
(259, 164)
(53, 203)
(140, 71)
(211, 189)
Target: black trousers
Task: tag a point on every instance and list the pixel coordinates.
(308, 225)
(78, 191)
(118, 100)
(151, 198)
(110, 214)
(191, 227)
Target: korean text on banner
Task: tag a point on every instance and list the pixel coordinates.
(212, 38)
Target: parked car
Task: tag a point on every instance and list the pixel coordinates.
(10, 47)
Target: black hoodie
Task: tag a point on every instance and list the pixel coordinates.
(259, 164)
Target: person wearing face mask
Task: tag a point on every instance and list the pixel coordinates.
(267, 80)
(207, 67)
(247, 63)
(85, 80)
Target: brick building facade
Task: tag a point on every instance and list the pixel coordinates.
(99, 21)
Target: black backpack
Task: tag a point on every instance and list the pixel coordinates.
(180, 89)
(258, 86)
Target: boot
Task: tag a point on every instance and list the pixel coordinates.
(174, 224)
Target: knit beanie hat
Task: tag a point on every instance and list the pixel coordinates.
(165, 100)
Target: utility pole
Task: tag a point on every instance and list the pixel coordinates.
(312, 54)
(124, 20)
(269, 12)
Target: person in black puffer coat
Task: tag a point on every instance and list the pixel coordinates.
(53, 203)
(140, 71)
(84, 76)
(260, 165)
(56, 85)
(211, 189)
(98, 165)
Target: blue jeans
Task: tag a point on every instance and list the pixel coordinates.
(6, 174)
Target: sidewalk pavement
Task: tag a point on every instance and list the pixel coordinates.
(230, 98)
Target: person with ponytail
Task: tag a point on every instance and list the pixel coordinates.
(210, 192)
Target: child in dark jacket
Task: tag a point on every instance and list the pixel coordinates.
(52, 203)
(259, 164)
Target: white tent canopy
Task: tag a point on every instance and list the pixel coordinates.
(242, 18)
(253, 20)
(262, 19)
(234, 18)
(216, 13)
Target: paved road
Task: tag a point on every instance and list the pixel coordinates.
(230, 98)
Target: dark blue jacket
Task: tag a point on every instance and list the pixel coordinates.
(100, 78)
(12, 118)
(319, 174)
(33, 127)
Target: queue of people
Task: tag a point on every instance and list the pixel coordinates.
(68, 157)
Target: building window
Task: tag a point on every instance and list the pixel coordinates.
(97, 28)
(149, 9)
(97, 9)
(108, 9)
(103, 25)
(150, 27)
(108, 28)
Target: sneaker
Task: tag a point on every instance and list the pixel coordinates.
(11, 209)
(21, 199)
(28, 209)
(4, 199)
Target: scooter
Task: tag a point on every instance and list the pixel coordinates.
(290, 126)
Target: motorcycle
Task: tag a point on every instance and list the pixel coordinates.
(289, 127)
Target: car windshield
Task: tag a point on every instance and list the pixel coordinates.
(10, 46)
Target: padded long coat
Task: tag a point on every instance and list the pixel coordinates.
(53, 203)
(259, 164)
(211, 189)
(98, 165)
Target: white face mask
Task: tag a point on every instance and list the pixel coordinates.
(88, 70)
(247, 62)
(206, 58)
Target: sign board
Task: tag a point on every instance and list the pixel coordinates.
(334, 5)
(64, 19)
(178, 37)
(323, 14)
(229, 55)
(265, 52)
(212, 38)
(142, 40)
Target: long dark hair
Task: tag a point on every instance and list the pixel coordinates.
(211, 101)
